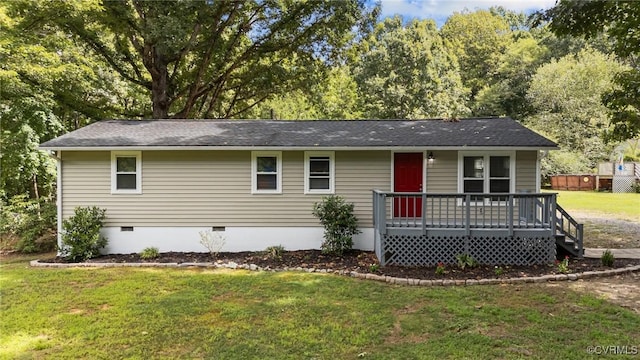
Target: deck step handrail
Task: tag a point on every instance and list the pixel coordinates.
(571, 230)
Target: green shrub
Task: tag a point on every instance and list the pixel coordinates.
(466, 260)
(274, 252)
(150, 253)
(339, 221)
(563, 266)
(563, 162)
(607, 258)
(81, 239)
(32, 222)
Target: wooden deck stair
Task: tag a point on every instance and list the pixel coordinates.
(569, 235)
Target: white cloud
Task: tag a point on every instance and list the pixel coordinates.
(439, 10)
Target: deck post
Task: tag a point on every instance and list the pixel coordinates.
(424, 214)
(510, 210)
(579, 238)
(552, 215)
(467, 214)
(467, 224)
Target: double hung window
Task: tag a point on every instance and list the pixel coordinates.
(319, 170)
(126, 172)
(481, 173)
(266, 172)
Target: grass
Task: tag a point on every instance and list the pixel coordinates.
(605, 217)
(624, 206)
(142, 313)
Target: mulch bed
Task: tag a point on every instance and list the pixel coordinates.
(359, 261)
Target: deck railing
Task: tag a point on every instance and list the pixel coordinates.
(468, 211)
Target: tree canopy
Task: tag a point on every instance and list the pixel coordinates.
(203, 58)
(406, 72)
(619, 21)
(574, 75)
(566, 97)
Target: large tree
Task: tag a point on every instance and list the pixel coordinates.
(47, 85)
(204, 58)
(506, 94)
(478, 39)
(620, 21)
(406, 71)
(333, 97)
(566, 96)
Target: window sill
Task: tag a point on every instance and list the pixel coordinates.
(265, 192)
(319, 192)
(126, 192)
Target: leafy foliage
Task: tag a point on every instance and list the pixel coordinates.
(33, 221)
(81, 239)
(607, 258)
(567, 98)
(339, 221)
(274, 252)
(477, 40)
(466, 261)
(563, 162)
(407, 72)
(506, 93)
(619, 20)
(206, 59)
(149, 253)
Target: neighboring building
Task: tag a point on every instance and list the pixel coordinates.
(164, 181)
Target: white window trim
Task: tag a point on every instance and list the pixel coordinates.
(332, 171)
(254, 171)
(486, 155)
(114, 178)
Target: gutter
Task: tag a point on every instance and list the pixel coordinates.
(296, 148)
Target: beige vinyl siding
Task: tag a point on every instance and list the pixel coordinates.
(213, 188)
(442, 173)
(526, 171)
(358, 173)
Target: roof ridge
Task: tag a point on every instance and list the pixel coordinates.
(311, 120)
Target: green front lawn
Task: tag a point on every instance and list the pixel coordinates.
(142, 313)
(624, 206)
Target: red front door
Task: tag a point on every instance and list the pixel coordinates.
(407, 177)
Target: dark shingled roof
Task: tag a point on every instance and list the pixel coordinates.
(478, 132)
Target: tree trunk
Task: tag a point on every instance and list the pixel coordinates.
(159, 94)
(157, 67)
(36, 193)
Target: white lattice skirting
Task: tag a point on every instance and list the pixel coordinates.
(424, 250)
(623, 184)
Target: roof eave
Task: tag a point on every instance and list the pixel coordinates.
(291, 148)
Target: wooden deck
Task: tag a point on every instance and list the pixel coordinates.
(476, 224)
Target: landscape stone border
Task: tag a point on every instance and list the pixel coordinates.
(366, 276)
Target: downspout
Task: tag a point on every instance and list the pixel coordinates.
(56, 156)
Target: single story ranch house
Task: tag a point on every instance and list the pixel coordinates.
(424, 191)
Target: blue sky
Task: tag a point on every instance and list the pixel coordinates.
(439, 10)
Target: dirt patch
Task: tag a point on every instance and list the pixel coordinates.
(362, 262)
(623, 290)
